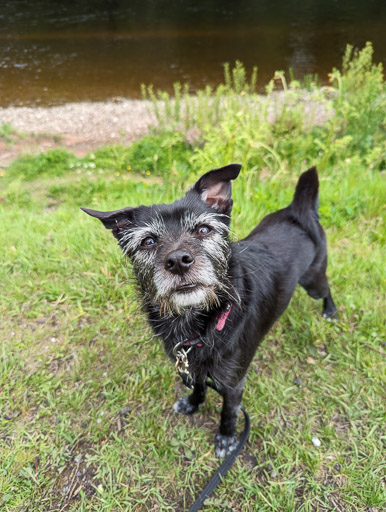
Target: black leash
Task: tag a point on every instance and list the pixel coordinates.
(226, 464)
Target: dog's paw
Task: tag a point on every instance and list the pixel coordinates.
(330, 316)
(224, 445)
(330, 312)
(184, 406)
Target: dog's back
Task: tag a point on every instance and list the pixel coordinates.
(289, 247)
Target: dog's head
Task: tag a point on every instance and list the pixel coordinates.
(180, 251)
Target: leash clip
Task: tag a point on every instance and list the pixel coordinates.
(182, 364)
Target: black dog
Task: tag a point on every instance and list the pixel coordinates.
(210, 300)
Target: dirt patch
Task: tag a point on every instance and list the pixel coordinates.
(75, 476)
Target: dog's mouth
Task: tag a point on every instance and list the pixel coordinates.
(187, 295)
(186, 288)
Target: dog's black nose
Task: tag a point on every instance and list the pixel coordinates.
(179, 262)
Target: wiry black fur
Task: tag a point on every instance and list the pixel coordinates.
(259, 276)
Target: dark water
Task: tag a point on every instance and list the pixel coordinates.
(52, 52)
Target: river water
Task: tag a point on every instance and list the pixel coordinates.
(53, 52)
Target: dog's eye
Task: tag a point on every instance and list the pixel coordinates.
(203, 230)
(148, 241)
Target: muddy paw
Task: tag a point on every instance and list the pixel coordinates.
(184, 406)
(224, 445)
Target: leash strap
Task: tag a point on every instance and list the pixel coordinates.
(226, 464)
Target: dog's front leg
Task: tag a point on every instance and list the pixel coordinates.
(225, 440)
(189, 404)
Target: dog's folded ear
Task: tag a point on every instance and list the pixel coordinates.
(215, 187)
(116, 220)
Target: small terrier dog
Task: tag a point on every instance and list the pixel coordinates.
(212, 301)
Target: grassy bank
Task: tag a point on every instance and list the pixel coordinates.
(86, 393)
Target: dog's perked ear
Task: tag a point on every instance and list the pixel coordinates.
(215, 187)
(117, 220)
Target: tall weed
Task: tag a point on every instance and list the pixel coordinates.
(296, 124)
(360, 119)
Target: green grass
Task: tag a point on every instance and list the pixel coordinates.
(6, 132)
(76, 350)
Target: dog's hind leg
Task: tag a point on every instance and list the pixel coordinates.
(190, 404)
(316, 285)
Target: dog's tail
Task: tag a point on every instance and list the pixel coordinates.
(304, 206)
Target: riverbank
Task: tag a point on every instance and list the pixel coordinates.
(78, 127)
(84, 126)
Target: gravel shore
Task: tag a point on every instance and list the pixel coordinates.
(78, 127)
